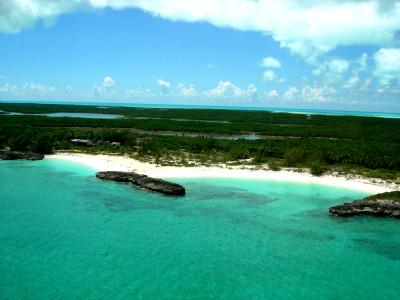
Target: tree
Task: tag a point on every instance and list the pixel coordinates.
(316, 168)
(294, 156)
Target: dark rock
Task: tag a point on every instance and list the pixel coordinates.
(143, 181)
(13, 155)
(380, 205)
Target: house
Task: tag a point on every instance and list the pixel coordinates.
(82, 142)
(108, 143)
(103, 143)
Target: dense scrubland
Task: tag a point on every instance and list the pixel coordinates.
(363, 145)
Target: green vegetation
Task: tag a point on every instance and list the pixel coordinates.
(317, 169)
(363, 145)
(393, 196)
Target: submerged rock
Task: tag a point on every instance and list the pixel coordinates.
(379, 205)
(143, 181)
(13, 155)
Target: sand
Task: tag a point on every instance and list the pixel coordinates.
(124, 163)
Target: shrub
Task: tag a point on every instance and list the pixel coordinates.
(317, 169)
(294, 156)
(274, 166)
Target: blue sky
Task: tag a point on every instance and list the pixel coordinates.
(339, 55)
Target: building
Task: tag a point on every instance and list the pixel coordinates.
(82, 142)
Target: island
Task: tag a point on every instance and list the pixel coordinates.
(379, 205)
(145, 182)
(345, 146)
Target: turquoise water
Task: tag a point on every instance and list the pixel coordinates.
(394, 115)
(71, 115)
(85, 115)
(66, 235)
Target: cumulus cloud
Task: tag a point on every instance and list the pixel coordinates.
(332, 71)
(307, 28)
(338, 66)
(163, 83)
(223, 89)
(105, 89)
(317, 94)
(351, 82)
(186, 90)
(272, 94)
(269, 75)
(32, 89)
(139, 93)
(310, 94)
(108, 82)
(363, 62)
(16, 15)
(387, 65)
(226, 89)
(290, 94)
(271, 62)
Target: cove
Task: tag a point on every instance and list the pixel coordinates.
(66, 235)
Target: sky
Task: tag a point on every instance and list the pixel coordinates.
(332, 54)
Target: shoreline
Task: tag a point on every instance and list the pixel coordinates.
(102, 162)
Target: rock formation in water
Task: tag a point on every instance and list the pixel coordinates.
(379, 205)
(13, 155)
(143, 181)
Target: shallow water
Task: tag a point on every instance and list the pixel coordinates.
(85, 115)
(328, 112)
(66, 235)
(69, 115)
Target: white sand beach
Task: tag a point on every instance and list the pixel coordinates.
(121, 163)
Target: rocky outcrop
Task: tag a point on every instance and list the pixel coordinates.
(143, 181)
(380, 205)
(13, 155)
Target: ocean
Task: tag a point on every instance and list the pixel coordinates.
(66, 235)
(272, 109)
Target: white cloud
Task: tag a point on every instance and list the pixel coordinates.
(317, 94)
(108, 82)
(251, 92)
(311, 94)
(223, 89)
(387, 65)
(8, 88)
(29, 90)
(351, 82)
(187, 90)
(139, 93)
(272, 94)
(269, 75)
(226, 89)
(365, 85)
(164, 84)
(363, 62)
(338, 66)
(331, 71)
(290, 94)
(106, 89)
(271, 62)
(307, 28)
